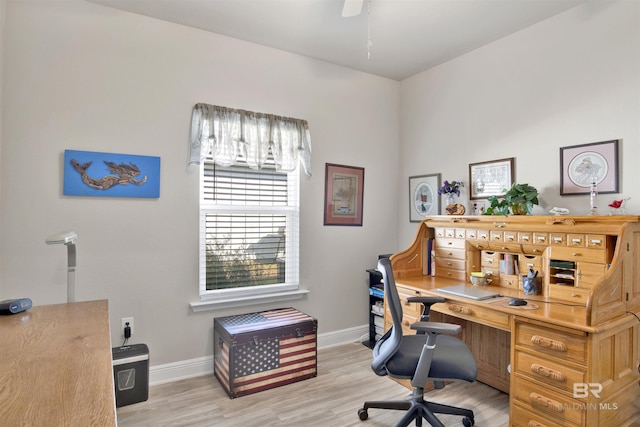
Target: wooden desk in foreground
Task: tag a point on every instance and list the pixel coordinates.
(55, 366)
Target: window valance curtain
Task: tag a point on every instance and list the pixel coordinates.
(229, 133)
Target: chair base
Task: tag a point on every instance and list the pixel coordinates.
(418, 409)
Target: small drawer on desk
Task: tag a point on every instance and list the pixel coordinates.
(555, 374)
(490, 259)
(540, 238)
(533, 250)
(560, 343)
(446, 243)
(525, 237)
(491, 272)
(549, 404)
(569, 293)
(482, 235)
(454, 264)
(579, 254)
(505, 247)
(526, 262)
(597, 241)
(558, 239)
(450, 253)
(449, 273)
(495, 236)
(576, 240)
(480, 245)
(475, 313)
(509, 281)
(510, 237)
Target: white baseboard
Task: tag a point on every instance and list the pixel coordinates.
(175, 371)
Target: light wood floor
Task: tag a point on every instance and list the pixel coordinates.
(332, 399)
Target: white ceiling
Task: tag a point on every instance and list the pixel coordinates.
(408, 36)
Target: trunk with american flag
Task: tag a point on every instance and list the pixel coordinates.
(258, 351)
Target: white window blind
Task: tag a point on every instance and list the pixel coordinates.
(249, 229)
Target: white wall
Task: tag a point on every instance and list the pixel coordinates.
(86, 77)
(572, 79)
(81, 76)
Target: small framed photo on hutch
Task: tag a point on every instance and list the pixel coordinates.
(581, 165)
(343, 195)
(491, 178)
(423, 196)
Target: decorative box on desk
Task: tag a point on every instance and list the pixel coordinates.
(258, 351)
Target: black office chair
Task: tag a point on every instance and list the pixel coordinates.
(426, 356)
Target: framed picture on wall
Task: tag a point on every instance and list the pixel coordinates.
(343, 195)
(491, 178)
(582, 165)
(423, 196)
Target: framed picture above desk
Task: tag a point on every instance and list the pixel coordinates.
(423, 196)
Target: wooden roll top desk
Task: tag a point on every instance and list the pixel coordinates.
(574, 349)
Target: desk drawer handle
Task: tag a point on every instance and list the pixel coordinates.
(576, 254)
(595, 242)
(548, 343)
(540, 400)
(548, 373)
(460, 309)
(535, 424)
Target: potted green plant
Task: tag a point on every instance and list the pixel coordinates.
(520, 199)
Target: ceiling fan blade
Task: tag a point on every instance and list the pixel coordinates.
(352, 8)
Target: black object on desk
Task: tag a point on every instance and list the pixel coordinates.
(13, 306)
(517, 302)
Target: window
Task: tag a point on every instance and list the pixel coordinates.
(249, 204)
(248, 230)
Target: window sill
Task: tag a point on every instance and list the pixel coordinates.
(215, 304)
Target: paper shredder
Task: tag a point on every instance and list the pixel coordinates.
(131, 373)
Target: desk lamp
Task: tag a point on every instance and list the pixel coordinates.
(69, 240)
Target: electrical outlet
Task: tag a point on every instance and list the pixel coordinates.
(124, 321)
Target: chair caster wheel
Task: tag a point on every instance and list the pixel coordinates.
(363, 414)
(468, 422)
